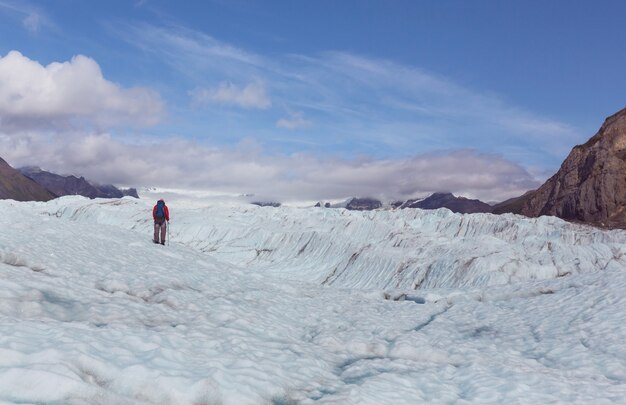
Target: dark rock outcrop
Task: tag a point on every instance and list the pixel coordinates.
(590, 186)
(448, 200)
(72, 185)
(266, 204)
(363, 204)
(15, 186)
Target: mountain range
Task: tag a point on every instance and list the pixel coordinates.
(33, 184)
(436, 200)
(72, 185)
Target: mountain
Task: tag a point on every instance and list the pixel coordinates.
(590, 186)
(363, 204)
(16, 186)
(72, 185)
(448, 200)
(60, 185)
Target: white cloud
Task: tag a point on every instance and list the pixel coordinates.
(182, 163)
(73, 92)
(191, 53)
(295, 120)
(252, 95)
(32, 22)
(32, 18)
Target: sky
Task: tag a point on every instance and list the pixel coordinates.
(295, 100)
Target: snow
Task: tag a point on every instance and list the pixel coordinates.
(252, 305)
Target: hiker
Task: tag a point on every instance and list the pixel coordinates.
(161, 216)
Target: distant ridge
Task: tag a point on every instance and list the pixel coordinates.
(448, 200)
(72, 185)
(16, 186)
(437, 200)
(363, 204)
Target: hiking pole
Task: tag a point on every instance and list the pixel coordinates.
(168, 233)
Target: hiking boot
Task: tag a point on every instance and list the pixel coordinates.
(162, 243)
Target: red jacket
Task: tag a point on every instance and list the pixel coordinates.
(167, 213)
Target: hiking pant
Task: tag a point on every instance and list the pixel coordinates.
(160, 226)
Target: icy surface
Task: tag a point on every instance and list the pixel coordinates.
(406, 249)
(234, 310)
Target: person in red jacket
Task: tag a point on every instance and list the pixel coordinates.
(161, 216)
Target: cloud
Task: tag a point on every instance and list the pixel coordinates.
(182, 163)
(32, 22)
(178, 47)
(400, 118)
(252, 95)
(32, 18)
(295, 121)
(357, 100)
(64, 94)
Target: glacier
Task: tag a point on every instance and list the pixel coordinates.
(407, 249)
(252, 305)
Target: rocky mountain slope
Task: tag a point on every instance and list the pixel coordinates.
(15, 186)
(590, 186)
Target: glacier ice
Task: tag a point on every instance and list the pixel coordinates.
(244, 308)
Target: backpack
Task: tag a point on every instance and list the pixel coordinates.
(160, 209)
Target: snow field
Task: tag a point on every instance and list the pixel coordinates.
(92, 312)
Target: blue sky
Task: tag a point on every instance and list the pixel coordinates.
(309, 100)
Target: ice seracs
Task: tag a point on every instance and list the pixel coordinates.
(405, 249)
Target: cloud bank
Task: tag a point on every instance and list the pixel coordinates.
(247, 169)
(60, 117)
(60, 95)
